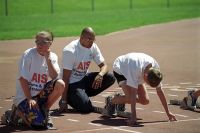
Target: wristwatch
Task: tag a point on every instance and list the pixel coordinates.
(63, 101)
(100, 74)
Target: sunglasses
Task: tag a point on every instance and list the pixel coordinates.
(43, 42)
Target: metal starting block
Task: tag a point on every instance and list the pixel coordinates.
(183, 103)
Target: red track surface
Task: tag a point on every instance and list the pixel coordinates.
(174, 45)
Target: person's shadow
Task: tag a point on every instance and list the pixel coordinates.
(121, 122)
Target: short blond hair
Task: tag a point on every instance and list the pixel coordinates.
(45, 34)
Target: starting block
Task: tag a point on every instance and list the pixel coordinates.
(183, 103)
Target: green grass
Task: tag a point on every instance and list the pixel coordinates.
(26, 17)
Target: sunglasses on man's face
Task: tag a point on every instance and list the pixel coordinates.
(43, 42)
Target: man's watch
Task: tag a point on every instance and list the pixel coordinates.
(100, 74)
(63, 101)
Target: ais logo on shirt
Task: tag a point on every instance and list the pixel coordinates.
(39, 78)
(83, 65)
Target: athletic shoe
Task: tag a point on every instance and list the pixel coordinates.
(109, 106)
(49, 121)
(120, 107)
(191, 101)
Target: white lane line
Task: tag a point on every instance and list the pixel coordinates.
(125, 130)
(167, 94)
(110, 128)
(92, 130)
(185, 83)
(177, 90)
(97, 102)
(94, 124)
(8, 100)
(139, 108)
(161, 112)
(172, 95)
(111, 90)
(194, 87)
(151, 92)
(168, 87)
(108, 92)
(104, 95)
(1, 107)
(188, 120)
(181, 115)
(165, 84)
(191, 88)
(168, 122)
(73, 120)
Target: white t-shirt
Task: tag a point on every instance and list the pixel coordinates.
(132, 65)
(78, 58)
(33, 67)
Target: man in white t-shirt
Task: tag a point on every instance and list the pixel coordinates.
(80, 84)
(132, 70)
(35, 94)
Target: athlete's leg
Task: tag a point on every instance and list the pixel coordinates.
(108, 80)
(123, 99)
(59, 86)
(78, 99)
(143, 97)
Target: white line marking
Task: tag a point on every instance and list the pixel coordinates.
(185, 83)
(161, 112)
(73, 120)
(181, 115)
(168, 87)
(191, 88)
(97, 102)
(116, 128)
(109, 92)
(188, 120)
(104, 95)
(177, 90)
(172, 95)
(140, 108)
(167, 122)
(130, 131)
(8, 100)
(152, 92)
(95, 124)
(194, 87)
(165, 84)
(92, 130)
(1, 107)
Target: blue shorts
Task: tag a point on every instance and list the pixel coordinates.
(37, 117)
